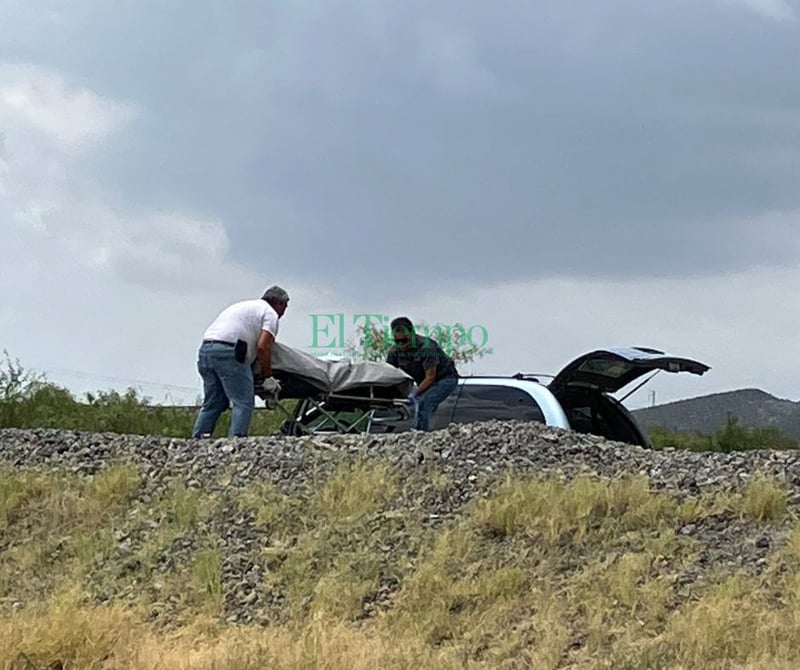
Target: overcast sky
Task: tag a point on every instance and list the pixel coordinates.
(566, 175)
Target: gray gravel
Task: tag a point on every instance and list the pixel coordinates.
(473, 456)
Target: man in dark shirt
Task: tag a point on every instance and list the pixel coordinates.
(432, 369)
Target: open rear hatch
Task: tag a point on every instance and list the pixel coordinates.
(608, 370)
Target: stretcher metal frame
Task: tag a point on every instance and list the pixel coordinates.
(346, 414)
(368, 408)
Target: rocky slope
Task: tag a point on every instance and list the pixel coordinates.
(468, 460)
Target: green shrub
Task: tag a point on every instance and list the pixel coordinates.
(730, 437)
(28, 400)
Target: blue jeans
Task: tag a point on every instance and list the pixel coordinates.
(225, 382)
(431, 399)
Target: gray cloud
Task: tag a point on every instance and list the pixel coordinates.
(448, 140)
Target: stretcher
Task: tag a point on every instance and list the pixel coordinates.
(342, 396)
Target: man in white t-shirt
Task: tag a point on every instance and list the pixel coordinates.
(240, 335)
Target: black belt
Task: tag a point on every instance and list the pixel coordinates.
(230, 344)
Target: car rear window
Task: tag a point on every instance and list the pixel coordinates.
(607, 367)
(486, 402)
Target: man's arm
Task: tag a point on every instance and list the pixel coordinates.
(430, 378)
(431, 354)
(264, 352)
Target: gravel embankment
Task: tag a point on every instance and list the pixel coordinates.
(467, 454)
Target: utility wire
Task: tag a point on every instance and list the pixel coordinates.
(118, 380)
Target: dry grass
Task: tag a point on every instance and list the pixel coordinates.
(540, 573)
(554, 512)
(117, 639)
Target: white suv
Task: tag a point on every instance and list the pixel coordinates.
(578, 398)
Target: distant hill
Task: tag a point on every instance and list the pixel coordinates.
(753, 408)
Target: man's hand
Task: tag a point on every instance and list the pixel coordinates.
(271, 386)
(268, 392)
(412, 398)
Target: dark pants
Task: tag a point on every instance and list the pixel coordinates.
(432, 398)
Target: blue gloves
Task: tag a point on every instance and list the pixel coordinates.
(412, 398)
